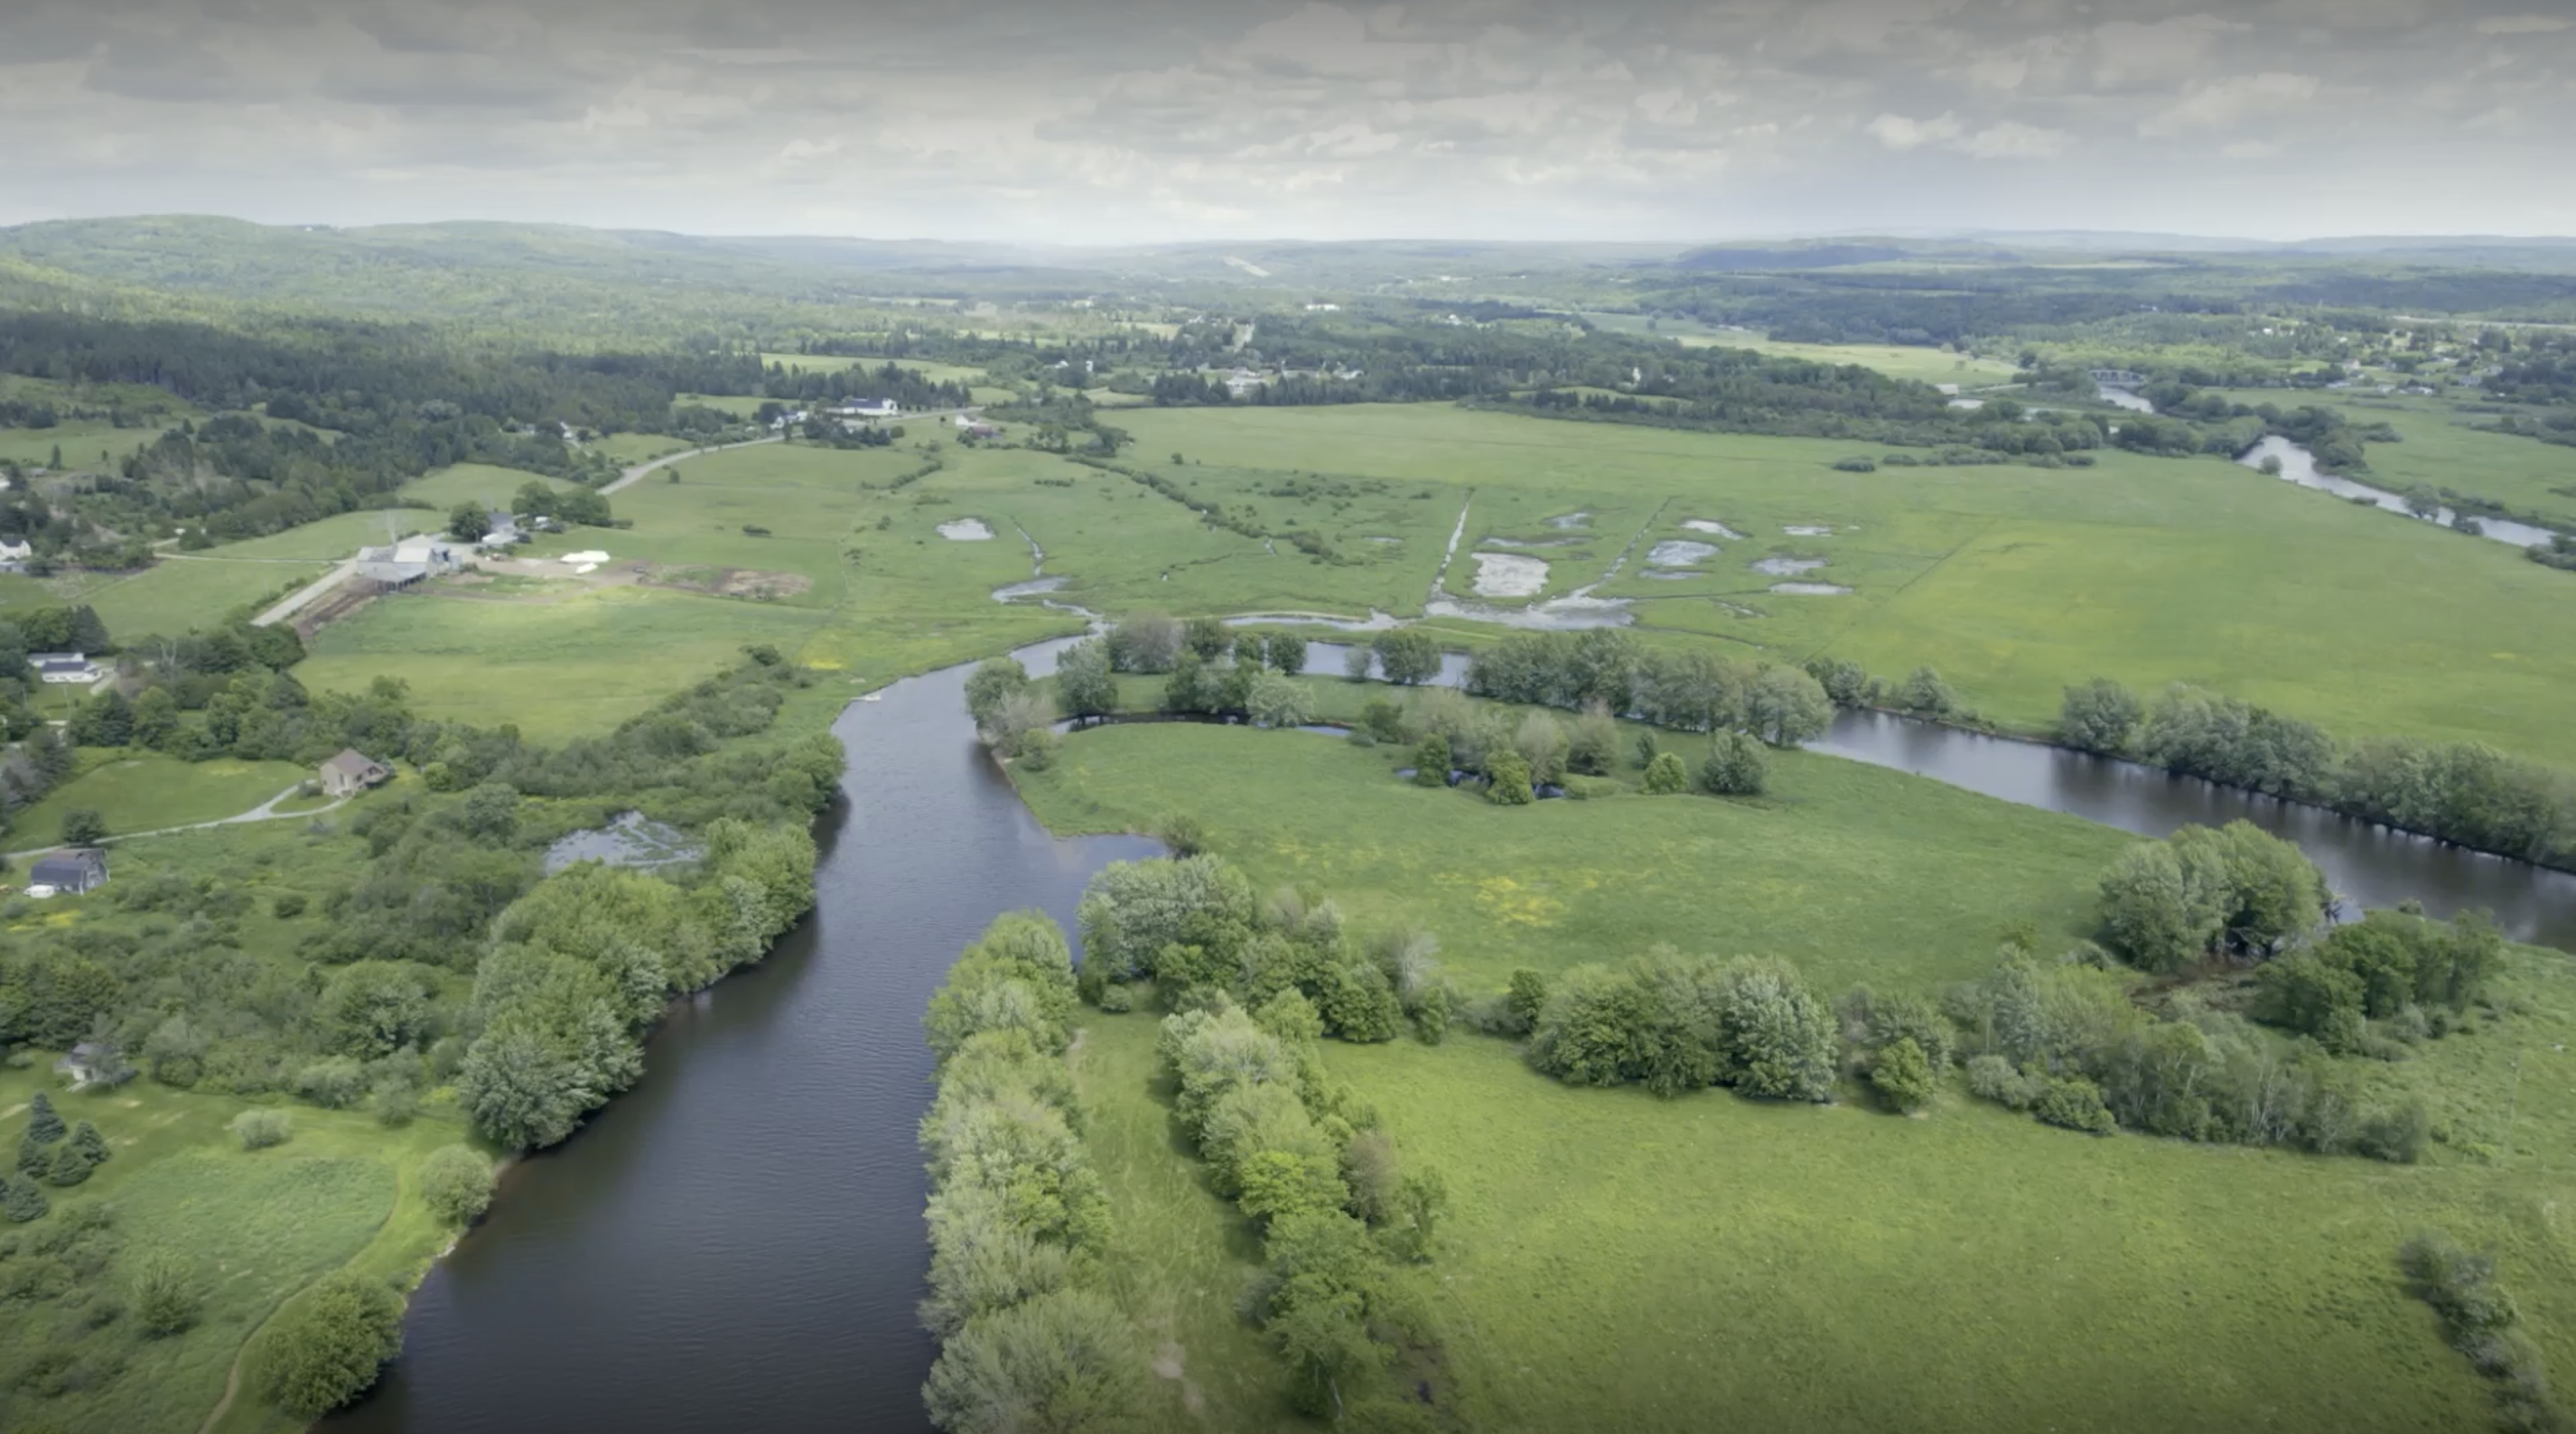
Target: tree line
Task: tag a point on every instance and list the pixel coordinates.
(2461, 792)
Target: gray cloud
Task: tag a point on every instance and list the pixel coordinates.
(1145, 119)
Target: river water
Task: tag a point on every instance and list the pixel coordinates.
(736, 1244)
(2299, 466)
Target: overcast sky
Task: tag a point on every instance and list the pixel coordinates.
(1152, 120)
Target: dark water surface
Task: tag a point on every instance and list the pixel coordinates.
(736, 1244)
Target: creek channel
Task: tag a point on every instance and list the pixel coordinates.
(737, 1242)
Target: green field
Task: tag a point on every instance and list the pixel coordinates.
(1578, 881)
(147, 792)
(1614, 1261)
(473, 482)
(2013, 581)
(257, 1226)
(558, 668)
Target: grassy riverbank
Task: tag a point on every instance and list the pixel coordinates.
(1618, 1261)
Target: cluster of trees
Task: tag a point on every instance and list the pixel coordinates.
(1692, 691)
(329, 1343)
(2559, 552)
(2234, 893)
(375, 1008)
(2393, 966)
(1013, 716)
(1194, 928)
(2457, 791)
(582, 965)
(2065, 1041)
(1019, 1221)
(1326, 1188)
(53, 1152)
(808, 386)
(1675, 1024)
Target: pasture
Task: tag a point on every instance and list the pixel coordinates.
(1920, 365)
(147, 791)
(1615, 1261)
(2013, 581)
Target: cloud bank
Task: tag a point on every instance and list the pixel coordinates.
(1145, 120)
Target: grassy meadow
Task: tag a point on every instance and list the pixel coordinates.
(2013, 581)
(1570, 881)
(145, 791)
(1614, 1261)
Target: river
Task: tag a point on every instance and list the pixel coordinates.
(737, 1242)
(2299, 466)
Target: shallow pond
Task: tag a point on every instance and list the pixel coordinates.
(1680, 553)
(1787, 567)
(629, 839)
(1710, 525)
(965, 530)
(1507, 575)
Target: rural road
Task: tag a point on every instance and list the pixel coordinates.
(303, 597)
(264, 812)
(640, 469)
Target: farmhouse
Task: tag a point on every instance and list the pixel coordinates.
(64, 667)
(870, 408)
(500, 530)
(353, 772)
(14, 554)
(74, 870)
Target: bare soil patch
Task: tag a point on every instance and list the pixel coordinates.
(725, 582)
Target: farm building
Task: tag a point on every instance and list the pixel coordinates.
(73, 871)
(353, 772)
(64, 667)
(14, 555)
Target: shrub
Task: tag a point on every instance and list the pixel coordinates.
(165, 1293)
(1855, 465)
(1665, 775)
(1993, 1078)
(44, 1123)
(260, 1129)
(83, 826)
(2075, 1103)
(1903, 1075)
(1527, 996)
(457, 1183)
(1508, 780)
(1735, 767)
(287, 905)
(333, 1084)
(2100, 716)
(327, 1347)
(92, 1145)
(1431, 762)
(1184, 834)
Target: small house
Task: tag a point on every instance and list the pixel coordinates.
(870, 408)
(14, 553)
(500, 530)
(353, 772)
(94, 1063)
(64, 667)
(74, 871)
